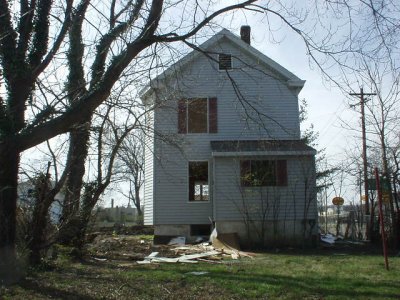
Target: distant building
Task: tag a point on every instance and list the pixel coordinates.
(26, 200)
(116, 214)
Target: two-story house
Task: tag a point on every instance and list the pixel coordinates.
(226, 148)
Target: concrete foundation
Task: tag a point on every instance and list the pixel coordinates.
(267, 234)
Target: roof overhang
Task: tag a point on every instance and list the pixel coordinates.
(261, 148)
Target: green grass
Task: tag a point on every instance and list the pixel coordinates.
(272, 276)
(290, 276)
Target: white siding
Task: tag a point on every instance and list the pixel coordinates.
(262, 106)
(265, 203)
(148, 213)
(266, 109)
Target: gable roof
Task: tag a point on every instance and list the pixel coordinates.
(291, 79)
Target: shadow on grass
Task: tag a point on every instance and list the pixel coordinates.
(52, 292)
(83, 281)
(246, 282)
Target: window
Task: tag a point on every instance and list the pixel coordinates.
(263, 172)
(200, 229)
(225, 61)
(197, 115)
(198, 181)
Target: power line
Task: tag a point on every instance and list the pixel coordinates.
(364, 147)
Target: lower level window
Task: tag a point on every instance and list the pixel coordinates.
(198, 181)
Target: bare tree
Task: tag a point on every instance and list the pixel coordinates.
(31, 41)
(131, 155)
(105, 39)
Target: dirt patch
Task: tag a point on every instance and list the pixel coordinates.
(121, 247)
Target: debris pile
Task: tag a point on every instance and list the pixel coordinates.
(122, 247)
(140, 248)
(194, 253)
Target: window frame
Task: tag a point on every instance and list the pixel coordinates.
(208, 182)
(211, 118)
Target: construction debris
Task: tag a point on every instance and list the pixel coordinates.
(135, 249)
(180, 240)
(189, 258)
(328, 238)
(191, 254)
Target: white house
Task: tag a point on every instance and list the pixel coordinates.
(226, 148)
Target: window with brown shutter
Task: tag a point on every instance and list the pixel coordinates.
(197, 115)
(263, 173)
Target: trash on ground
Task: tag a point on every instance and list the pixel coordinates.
(328, 238)
(180, 240)
(197, 273)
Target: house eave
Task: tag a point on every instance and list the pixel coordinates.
(263, 153)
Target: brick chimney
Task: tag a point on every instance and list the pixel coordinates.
(245, 33)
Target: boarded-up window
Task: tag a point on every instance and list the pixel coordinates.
(198, 181)
(197, 115)
(263, 173)
(225, 61)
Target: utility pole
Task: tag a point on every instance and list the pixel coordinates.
(364, 147)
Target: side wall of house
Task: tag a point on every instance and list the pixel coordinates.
(281, 215)
(148, 211)
(292, 202)
(253, 103)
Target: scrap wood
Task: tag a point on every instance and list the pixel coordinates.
(189, 258)
(239, 253)
(99, 258)
(211, 261)
(200, 255)
(151, 255)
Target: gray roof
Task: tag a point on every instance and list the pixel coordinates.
(260, 145)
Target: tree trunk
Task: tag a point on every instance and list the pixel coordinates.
(90, 197)
(40, 219)
(77, 154)
(138, 201)
(9, 164)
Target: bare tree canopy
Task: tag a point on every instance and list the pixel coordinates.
(62, 59)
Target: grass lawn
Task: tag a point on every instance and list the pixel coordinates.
(319, 274)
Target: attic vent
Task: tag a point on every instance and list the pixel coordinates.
(225, 61)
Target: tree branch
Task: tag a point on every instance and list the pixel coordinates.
(41, 33)
(60, 38)
(7, 41)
